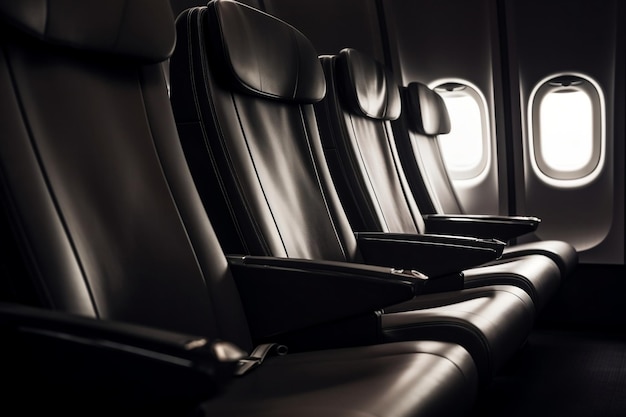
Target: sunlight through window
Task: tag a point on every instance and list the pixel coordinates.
(462, 148)
(465, 149)
(566, 133)
(566, 129)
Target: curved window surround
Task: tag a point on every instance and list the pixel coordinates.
(465, 150)
(566, 125)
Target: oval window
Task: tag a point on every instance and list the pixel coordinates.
(465, 149)
(566, 126)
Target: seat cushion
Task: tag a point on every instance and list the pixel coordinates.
(536, 274)
(560, 252)
(491, 322)
(394, 380)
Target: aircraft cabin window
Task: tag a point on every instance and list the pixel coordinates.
(567, 131)
(465, 150)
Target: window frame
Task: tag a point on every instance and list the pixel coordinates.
(543, 169)
(478, 171)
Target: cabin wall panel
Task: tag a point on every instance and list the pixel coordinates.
(580, 36)
(432, 40)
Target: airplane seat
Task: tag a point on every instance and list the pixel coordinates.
(123, 258)
(425, 117)
(243, 84)
(362, 100)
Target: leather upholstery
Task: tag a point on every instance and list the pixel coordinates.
(425, 116)
(453, 310)
(430, 115)
(108, 223)
(288, 73)
(99, 238)
(369, 88)
(360, 151)
(395, 380)
(366, 165)
(420, 152)
(266, 204)
(118, 28)
(259, 167)
(561, 253)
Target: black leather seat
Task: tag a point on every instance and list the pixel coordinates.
(243, 86)
(424, 117)
(103, 225)
(362, 100)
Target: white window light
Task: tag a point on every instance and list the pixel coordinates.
(465, 150)
(566, 130)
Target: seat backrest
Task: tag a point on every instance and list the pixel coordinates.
(362, 100)
(247, 124)
(94, 184)
(424, 118)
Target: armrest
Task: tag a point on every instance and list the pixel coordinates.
(283, 295)
(502, 228)
(128, 366)
(434, 255)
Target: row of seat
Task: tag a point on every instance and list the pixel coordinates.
(416, 134)
(361, 149)
(171, 246)
(370, 147)
(261, 169)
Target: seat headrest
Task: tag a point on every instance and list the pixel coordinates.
(367, 88)
(141, 29)
(426, 111)
(264, 55)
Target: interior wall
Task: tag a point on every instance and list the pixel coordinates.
(432, 40)
(332, 25)
(580, 36)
